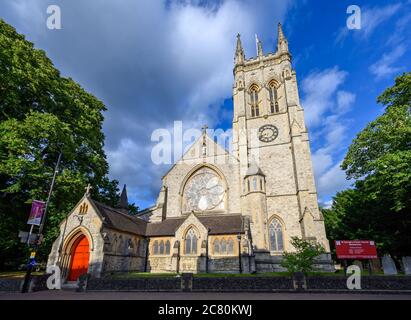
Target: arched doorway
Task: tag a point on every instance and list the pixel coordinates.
(79, 258)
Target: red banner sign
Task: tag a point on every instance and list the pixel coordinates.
(36, 213)
(356, 249)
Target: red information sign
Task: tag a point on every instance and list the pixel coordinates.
(356, 249)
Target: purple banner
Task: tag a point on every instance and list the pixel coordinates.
(36, 213)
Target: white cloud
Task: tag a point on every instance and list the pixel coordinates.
(319, 89)
(375, 16)
(151, 62)
(325, 107)
(384, 66)
(345, 100)
(333, 180)
(371, 19)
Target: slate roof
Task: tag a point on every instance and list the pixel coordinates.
(118, 220)
(217, 224)
(167, 227)
(223, 224)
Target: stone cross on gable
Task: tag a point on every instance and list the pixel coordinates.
(88, 188)
(204, 128)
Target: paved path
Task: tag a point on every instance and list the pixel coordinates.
(71, 295)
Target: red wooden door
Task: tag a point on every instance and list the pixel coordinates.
(80, 259)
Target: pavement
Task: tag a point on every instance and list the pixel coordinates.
(72, 295)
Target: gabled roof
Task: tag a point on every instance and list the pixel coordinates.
(167, 227)
(218, 151)
(115, 219)
(222, 224)
(216, 224)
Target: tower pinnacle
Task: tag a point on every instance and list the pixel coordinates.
(239, 52)
(123, 201)
(282, 43)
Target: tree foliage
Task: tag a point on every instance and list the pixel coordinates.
(379, 205)
(303, 259)
(41, 114)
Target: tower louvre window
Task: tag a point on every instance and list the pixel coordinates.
(274, 108)
(255, 110)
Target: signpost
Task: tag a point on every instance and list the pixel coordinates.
(356, 250)
(40, 217)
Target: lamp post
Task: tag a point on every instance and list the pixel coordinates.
(30, 266)
(240, 267)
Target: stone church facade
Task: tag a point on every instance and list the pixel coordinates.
(217, 211)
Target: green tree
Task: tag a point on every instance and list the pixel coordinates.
(379, 205)
(303, 259)
(41, 114)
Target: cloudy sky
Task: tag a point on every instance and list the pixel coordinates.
(153, 62)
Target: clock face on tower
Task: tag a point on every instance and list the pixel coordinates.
(204, 192)
(267, 133)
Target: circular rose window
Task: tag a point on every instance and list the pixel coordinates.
(204, 191)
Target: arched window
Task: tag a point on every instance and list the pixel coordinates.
(255, 183)
(128, 248)
(191, 242)
(120, 244)
(155, 247)
(248, 185)
(114, 244)
(224, 246)
(168, 247)
(274, 108)
(216, 246)
(137, 249)
(230, 246)
(161, 247)
(261, 184)
(255, 110)
(276, 236)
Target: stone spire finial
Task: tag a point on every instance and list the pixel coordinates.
(282, 43)
(239, 52)
(204, 147)
(204, 129)
(123, 201)
(260, 48)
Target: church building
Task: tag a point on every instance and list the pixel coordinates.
(217, 211)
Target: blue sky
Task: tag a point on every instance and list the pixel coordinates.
(153, 62)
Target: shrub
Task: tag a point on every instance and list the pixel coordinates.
(303, 259)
